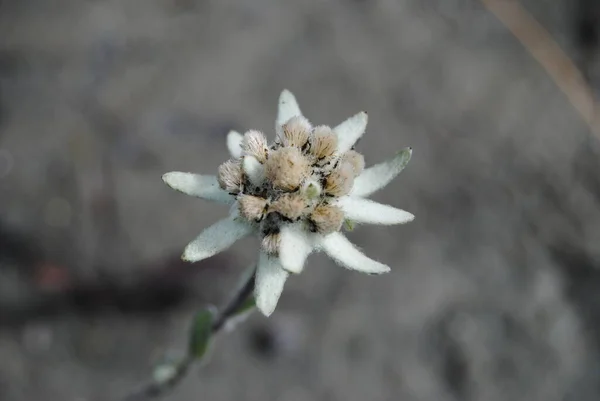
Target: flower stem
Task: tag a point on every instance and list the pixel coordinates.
(177, 371)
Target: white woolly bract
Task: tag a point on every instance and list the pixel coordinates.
(269, 282)
(378, 176)
(350, 130)
(361, 210)
(288, 107)
(294, 248)
(201, 186)
(346, 254)
(254, 170)
(216, 238)
(234, 144)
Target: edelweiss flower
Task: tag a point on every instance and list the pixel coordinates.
(296, 194)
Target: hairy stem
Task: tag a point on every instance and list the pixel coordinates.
(159, 386)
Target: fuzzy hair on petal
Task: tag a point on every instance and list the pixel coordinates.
(230, 176)
(340, 249)
(287, 108)
(269, 283)
(234, 144)
(340, 181)
(290, 205)
(366, 211)
(286, 168)
(323, 143)
(327, 219)
(378, 176)
(294, 248)
(202, 186)
(296, 131)
(356, 160)
(270, 244)
(255, 144)
(216, 238)
(254, 170)
(350, 131)
(251, 207)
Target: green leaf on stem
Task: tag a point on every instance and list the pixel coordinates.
(201, 332)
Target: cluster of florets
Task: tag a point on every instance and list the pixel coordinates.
(296, 194)
(295, 179)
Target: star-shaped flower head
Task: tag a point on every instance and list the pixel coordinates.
(296, 194)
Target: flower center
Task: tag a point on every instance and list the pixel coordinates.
(296, 179)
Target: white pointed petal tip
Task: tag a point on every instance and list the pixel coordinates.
(294, 248)
(201, 186)
(378, 176)
(254, 170)
(216, 238)
(234, 144)
(366, 211)
(287, 108)
(340, 249)
(351, 130)
(269, 282)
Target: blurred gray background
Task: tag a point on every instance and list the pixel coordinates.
(494, 292)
